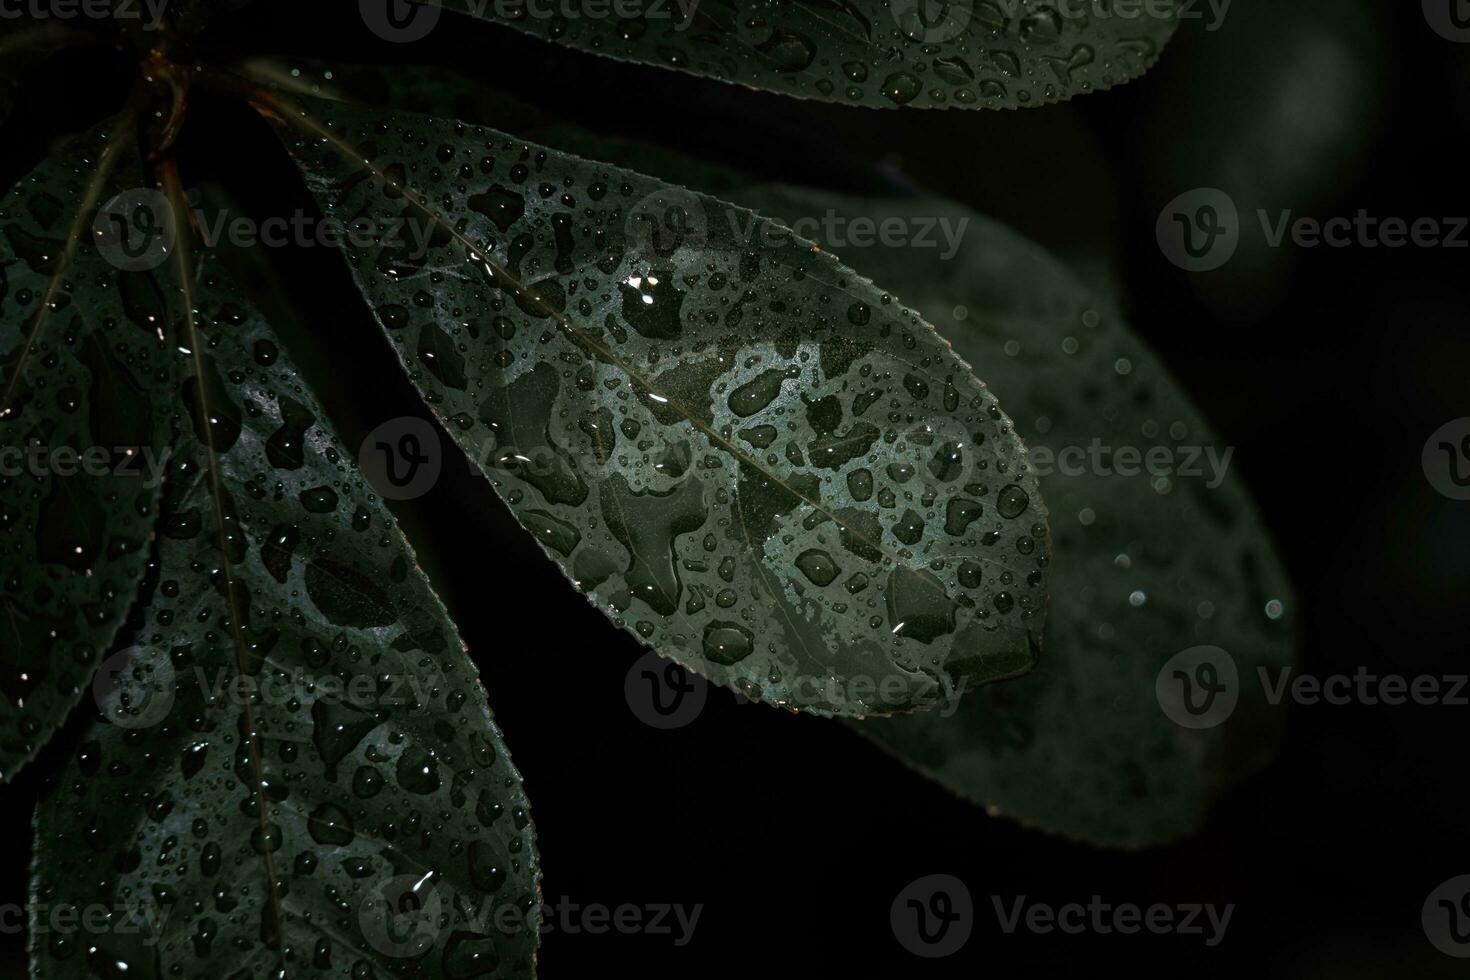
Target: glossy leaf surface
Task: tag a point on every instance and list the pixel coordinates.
(83, 438)
(296, 769)
(1146, 566)
(746, 455)
(995, 54)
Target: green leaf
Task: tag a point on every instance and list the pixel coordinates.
(298, 743)
(997, 54)
(747, 456)
(1143, 569)
(82, 438)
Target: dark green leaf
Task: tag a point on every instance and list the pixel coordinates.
(998, 54)
(1144, 568)
(298, 745)
(83, 439)
(746, 455)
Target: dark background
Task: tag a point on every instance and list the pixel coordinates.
(1327, 368)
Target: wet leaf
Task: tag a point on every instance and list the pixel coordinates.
(1145, 568)
(82, 438)
(998, 54)
(747, 456)
(296, 769)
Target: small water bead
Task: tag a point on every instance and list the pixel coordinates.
(367, 782)
(901, 88)
(727, 643)
(817, 566)
(1012, 501)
